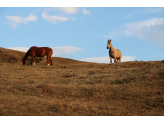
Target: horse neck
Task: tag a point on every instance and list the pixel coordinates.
(112, 49)
(26, 55)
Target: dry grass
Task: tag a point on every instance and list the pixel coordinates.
(72, 87)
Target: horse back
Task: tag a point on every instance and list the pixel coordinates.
(48, 50)
(40, 51)
(119, 53)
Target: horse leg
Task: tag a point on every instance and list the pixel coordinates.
(115, 60)
(51, 62)
(50, 57)
(110, 59)
(48, 61)
(33, 58)
(118, 59)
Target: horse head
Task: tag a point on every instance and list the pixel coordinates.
(24, 60)
(109, 41)
(109, 44)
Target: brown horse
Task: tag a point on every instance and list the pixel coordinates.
(114, 53)
(38, 52)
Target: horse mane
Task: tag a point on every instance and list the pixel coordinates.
(27, 53)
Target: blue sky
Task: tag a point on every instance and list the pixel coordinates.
(81, 33)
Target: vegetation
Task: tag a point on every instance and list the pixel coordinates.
(71, 87)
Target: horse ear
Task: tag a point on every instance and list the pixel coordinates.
(110, 40)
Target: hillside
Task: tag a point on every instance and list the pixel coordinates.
(12, 56)
(72, 87)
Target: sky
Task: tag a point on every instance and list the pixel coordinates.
(81, 33)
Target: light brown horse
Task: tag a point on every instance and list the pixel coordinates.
(114, 53)
(38, 52)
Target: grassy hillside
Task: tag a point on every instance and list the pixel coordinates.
(73, 87)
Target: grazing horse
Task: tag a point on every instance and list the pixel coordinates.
(38, 52)
(114, 53)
